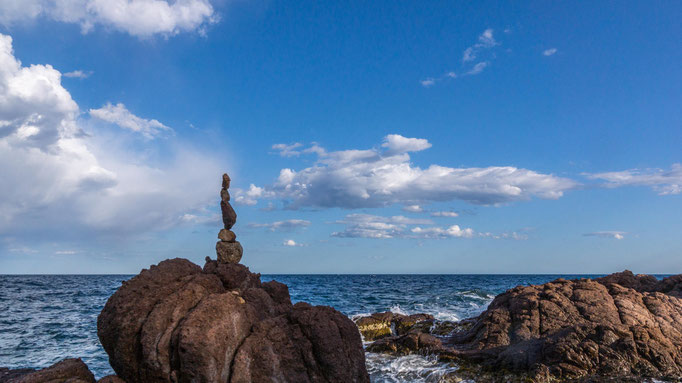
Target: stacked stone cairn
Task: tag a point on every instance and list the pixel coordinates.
(228, 249)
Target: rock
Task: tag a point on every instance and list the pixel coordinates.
(67, 371)
(111, 379)
(225, 195)
(179, 323)
(229, 252)
(581, 328)
(226, 181)
(227, 235)
(229, 215)
(381, 325)
(412, 343)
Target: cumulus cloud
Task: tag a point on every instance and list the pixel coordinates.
(607, 234)
(142, 18)
(250, 196)
(413, 209)
(291, 243)
(475, 59)
(78, 74)
(397, 144)
(288, 225)
(450, 214)
(288, 150)
(119, 115)
(453, 231)
(374, 226)
(59, 179)
(664, 182)
(384, 176)
(549, 52)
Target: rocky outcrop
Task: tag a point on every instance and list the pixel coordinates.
(66, 371)
(622, 327)
(177, 322)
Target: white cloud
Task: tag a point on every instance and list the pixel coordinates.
(288, 150)
(249, 197)
(478, 68)
(665, 182)
(78, 74)
(607, 234)
(483, 47)
(374, 226)
(119, 115)
(485, 41)
(142, 18)
(288, 225)
(549, 52)
(377, 178)
(291, 243)
(413, 209)
(450, 214)
(397, 144)
(60, 180)
(453, 231)
(65, 252)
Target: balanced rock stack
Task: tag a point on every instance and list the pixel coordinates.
(228, 249)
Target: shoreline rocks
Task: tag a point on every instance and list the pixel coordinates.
(622, 327)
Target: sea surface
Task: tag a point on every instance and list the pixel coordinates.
(46, 318)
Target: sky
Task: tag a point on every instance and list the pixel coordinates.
(361, 137)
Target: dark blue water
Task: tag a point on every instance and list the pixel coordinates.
(45, 318)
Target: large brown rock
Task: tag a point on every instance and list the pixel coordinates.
(66, 371)
(179, 323)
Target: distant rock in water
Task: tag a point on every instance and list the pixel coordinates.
(68, 370)
(622, 327)
(178, 323)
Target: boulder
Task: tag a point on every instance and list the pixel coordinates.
(111, 379)
(66, 371)
(179, 323)
(229, 252)
(381, 325)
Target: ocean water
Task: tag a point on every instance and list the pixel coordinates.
(45, 318)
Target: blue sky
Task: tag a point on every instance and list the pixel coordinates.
(382, 137)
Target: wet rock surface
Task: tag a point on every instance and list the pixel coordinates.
(177, 322)
(66, 371)
(619, 328)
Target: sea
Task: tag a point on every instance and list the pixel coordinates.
(46, 318)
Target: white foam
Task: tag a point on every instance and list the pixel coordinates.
(410, 368)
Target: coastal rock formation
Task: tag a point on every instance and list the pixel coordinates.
(177, 322)
(228, 249)
(68, 370)
(623, 326)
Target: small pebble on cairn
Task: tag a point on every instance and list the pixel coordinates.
(228, 249)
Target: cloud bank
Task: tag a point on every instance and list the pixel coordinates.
(65, 176)
(142, 18)
(664, 182)
(378, 177)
